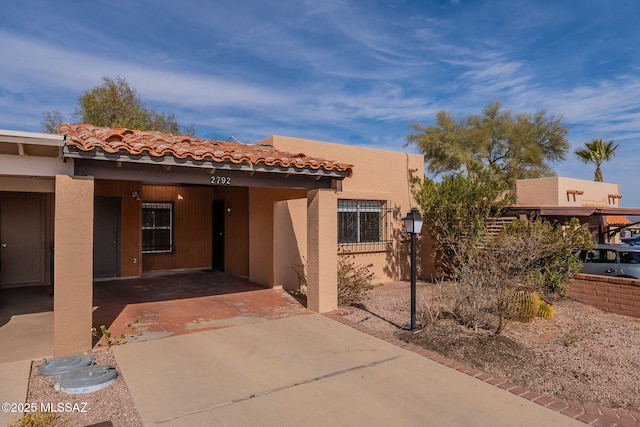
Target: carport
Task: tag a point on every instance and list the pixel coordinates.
(144, 202)
(168, 304)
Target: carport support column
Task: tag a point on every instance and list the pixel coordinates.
(73, 265)
(322, 249)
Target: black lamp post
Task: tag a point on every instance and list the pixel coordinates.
(413, 225)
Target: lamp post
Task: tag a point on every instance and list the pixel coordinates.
(413, 225)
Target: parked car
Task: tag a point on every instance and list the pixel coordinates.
(612, 260)
(634, 241)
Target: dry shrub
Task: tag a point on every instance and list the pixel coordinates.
(354, 280)
(525, 257)
(38, 419)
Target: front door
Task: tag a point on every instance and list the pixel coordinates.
(106, 237)
(217, 262)
(21, 239)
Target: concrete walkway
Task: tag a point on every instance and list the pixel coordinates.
(13, 387)
(313, 371)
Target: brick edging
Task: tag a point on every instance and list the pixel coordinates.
(589, 413)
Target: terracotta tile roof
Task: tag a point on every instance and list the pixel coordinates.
(617, 220)
(86, 137)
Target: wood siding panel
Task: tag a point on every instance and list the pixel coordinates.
(236, 243)
(130, 222)
(192, 227)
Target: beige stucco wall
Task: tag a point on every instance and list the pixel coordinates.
(561, 191)
(73, 265)
(322, 239)
(261, 231)
(377, 175)
(290, 242)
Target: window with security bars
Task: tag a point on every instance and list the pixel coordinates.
(363, 225)
(157, 228)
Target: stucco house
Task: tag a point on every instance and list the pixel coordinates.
(596, 204)
(96, 202)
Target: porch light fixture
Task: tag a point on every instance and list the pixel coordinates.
(229, 208)
(413, 225)
(135, 195)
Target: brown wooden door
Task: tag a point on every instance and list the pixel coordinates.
(106, 237)
(21, 239)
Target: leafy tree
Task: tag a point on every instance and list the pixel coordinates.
(51, 120)
(457, 209)
(520, 146)
(597, 152)
(115, 104)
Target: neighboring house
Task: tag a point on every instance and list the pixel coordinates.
(96, 202)
(558, 199)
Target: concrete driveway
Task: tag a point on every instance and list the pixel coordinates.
(313, 371)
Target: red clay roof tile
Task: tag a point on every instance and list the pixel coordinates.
(86, 137)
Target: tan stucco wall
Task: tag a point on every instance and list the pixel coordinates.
(261, 231)
(27, 184)
(561, 191)
(377, 175)
(290, 242)
(73, 298)
(322, 240)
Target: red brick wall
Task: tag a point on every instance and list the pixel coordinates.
(612, 294)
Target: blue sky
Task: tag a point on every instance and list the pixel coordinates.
(352, 72)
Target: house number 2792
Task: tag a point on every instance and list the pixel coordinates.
(220, 180)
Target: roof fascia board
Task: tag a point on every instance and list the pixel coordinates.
(574, 211)
(210, 165)
(154, 174)
(34, 166)
(18, 137)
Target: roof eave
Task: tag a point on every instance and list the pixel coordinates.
(168, 160)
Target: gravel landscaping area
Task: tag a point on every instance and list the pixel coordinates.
(584, 354)
(111, 404)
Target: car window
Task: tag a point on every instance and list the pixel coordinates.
(601, 256)
(629, 257)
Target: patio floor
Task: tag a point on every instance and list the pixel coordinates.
(181, 303)
(26, 323)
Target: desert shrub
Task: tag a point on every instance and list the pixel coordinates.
(527, 256)
(354, 280)
(38, 419)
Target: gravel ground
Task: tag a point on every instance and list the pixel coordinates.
(112, 403)
(584, 354)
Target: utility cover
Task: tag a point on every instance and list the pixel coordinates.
(64, 364)
(86, 379)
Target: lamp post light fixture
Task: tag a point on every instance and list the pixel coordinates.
(413, 225)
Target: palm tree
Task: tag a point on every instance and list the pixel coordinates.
(597, 152)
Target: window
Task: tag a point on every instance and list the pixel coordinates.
(599, 256)
(157, 228)
(363, 225)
